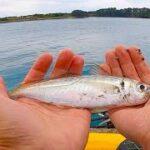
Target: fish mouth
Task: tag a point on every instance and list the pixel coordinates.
(147, 95)
(148, 89)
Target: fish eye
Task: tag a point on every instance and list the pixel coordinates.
(141, 87)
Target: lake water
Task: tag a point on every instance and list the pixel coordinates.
(22, 42)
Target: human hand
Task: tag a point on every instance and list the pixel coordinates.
(133, 122)
(28, 124)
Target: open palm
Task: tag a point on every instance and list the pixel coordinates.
(30, 124)
(133, 122)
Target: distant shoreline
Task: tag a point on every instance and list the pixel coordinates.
(105, 12)
(27, 20)
(31, 18)
(24, 20)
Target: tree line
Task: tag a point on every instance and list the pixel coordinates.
(113, 12)
(105, 12)
(35, 17)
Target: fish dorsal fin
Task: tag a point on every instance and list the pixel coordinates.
(95, 69)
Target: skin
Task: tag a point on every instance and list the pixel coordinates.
(132, 122)
(29, 124)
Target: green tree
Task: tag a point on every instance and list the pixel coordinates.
(79, 13)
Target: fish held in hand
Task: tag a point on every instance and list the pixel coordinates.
(93, 92)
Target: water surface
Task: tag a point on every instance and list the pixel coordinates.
(22, 42)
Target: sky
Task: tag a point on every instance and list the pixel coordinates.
(27, 7)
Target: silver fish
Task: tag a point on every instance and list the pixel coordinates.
(95, 92)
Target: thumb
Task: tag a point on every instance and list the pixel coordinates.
(3, 89)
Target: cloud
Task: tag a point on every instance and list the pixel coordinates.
(15, 7)
(26, 7)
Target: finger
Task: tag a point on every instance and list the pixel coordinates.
(76, 65)
(39, 68)
(113, 63)
(126, 64)
(140, 64)
(3, 89)
(63, 63)
(105, 69)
